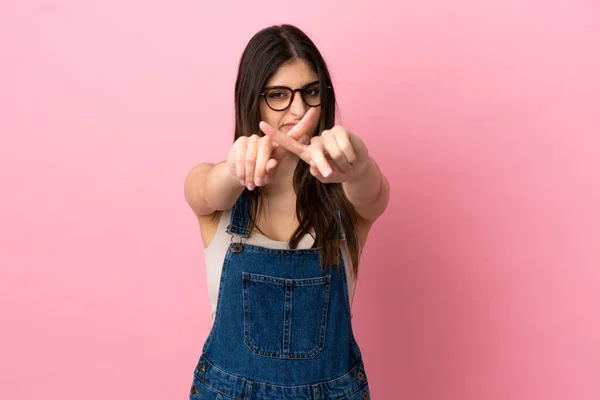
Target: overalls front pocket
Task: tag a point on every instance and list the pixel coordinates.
(285, 318)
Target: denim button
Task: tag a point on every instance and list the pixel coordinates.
(360, 376)
(237, 248)
(195, 389)
(365, 396)
(201, 367)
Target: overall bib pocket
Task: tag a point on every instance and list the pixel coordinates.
(285, 318)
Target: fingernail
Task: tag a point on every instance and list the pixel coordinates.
(251, 186)
(243, 182)
(259, 181)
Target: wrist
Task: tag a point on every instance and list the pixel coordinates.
(362, 171)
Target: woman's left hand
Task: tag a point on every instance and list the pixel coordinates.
(335, 156)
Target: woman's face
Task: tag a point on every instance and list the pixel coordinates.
(294, 75)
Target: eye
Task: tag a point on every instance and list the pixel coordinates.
(277, 94)
(311, 92)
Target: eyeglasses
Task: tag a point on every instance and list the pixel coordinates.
(280, 98)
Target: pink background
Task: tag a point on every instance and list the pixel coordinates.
(482, 281)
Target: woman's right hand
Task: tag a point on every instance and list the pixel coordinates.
(253, 160)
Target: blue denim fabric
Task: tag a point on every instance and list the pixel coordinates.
(282, 329)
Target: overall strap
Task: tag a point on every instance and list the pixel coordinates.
(240, 217)
(341, 234)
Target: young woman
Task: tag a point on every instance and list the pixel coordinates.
(283, 222)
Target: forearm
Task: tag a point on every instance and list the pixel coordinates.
(221, 188)
(209, 188)
(368, 190)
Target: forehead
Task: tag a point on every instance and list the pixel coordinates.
(294, 74)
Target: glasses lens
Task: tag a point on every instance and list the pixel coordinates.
(312, 96)
(278, 98)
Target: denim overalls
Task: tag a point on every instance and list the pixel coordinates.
(282, 328)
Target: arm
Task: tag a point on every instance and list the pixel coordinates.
(209, 187)
(252, 161)
(331, 156)
(368, 191)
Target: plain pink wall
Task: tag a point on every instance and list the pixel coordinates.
(482, 281)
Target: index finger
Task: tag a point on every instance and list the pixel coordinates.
(302, 127)
(285, 141)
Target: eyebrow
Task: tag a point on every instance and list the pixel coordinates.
(281, 86)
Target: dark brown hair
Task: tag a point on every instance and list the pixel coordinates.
(316, 203)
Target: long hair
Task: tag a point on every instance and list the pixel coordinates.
(316, 202)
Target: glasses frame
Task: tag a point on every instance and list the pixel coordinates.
(293, 96)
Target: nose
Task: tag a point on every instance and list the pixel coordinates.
(298, 107)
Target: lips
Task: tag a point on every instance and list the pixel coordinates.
(290, 125)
